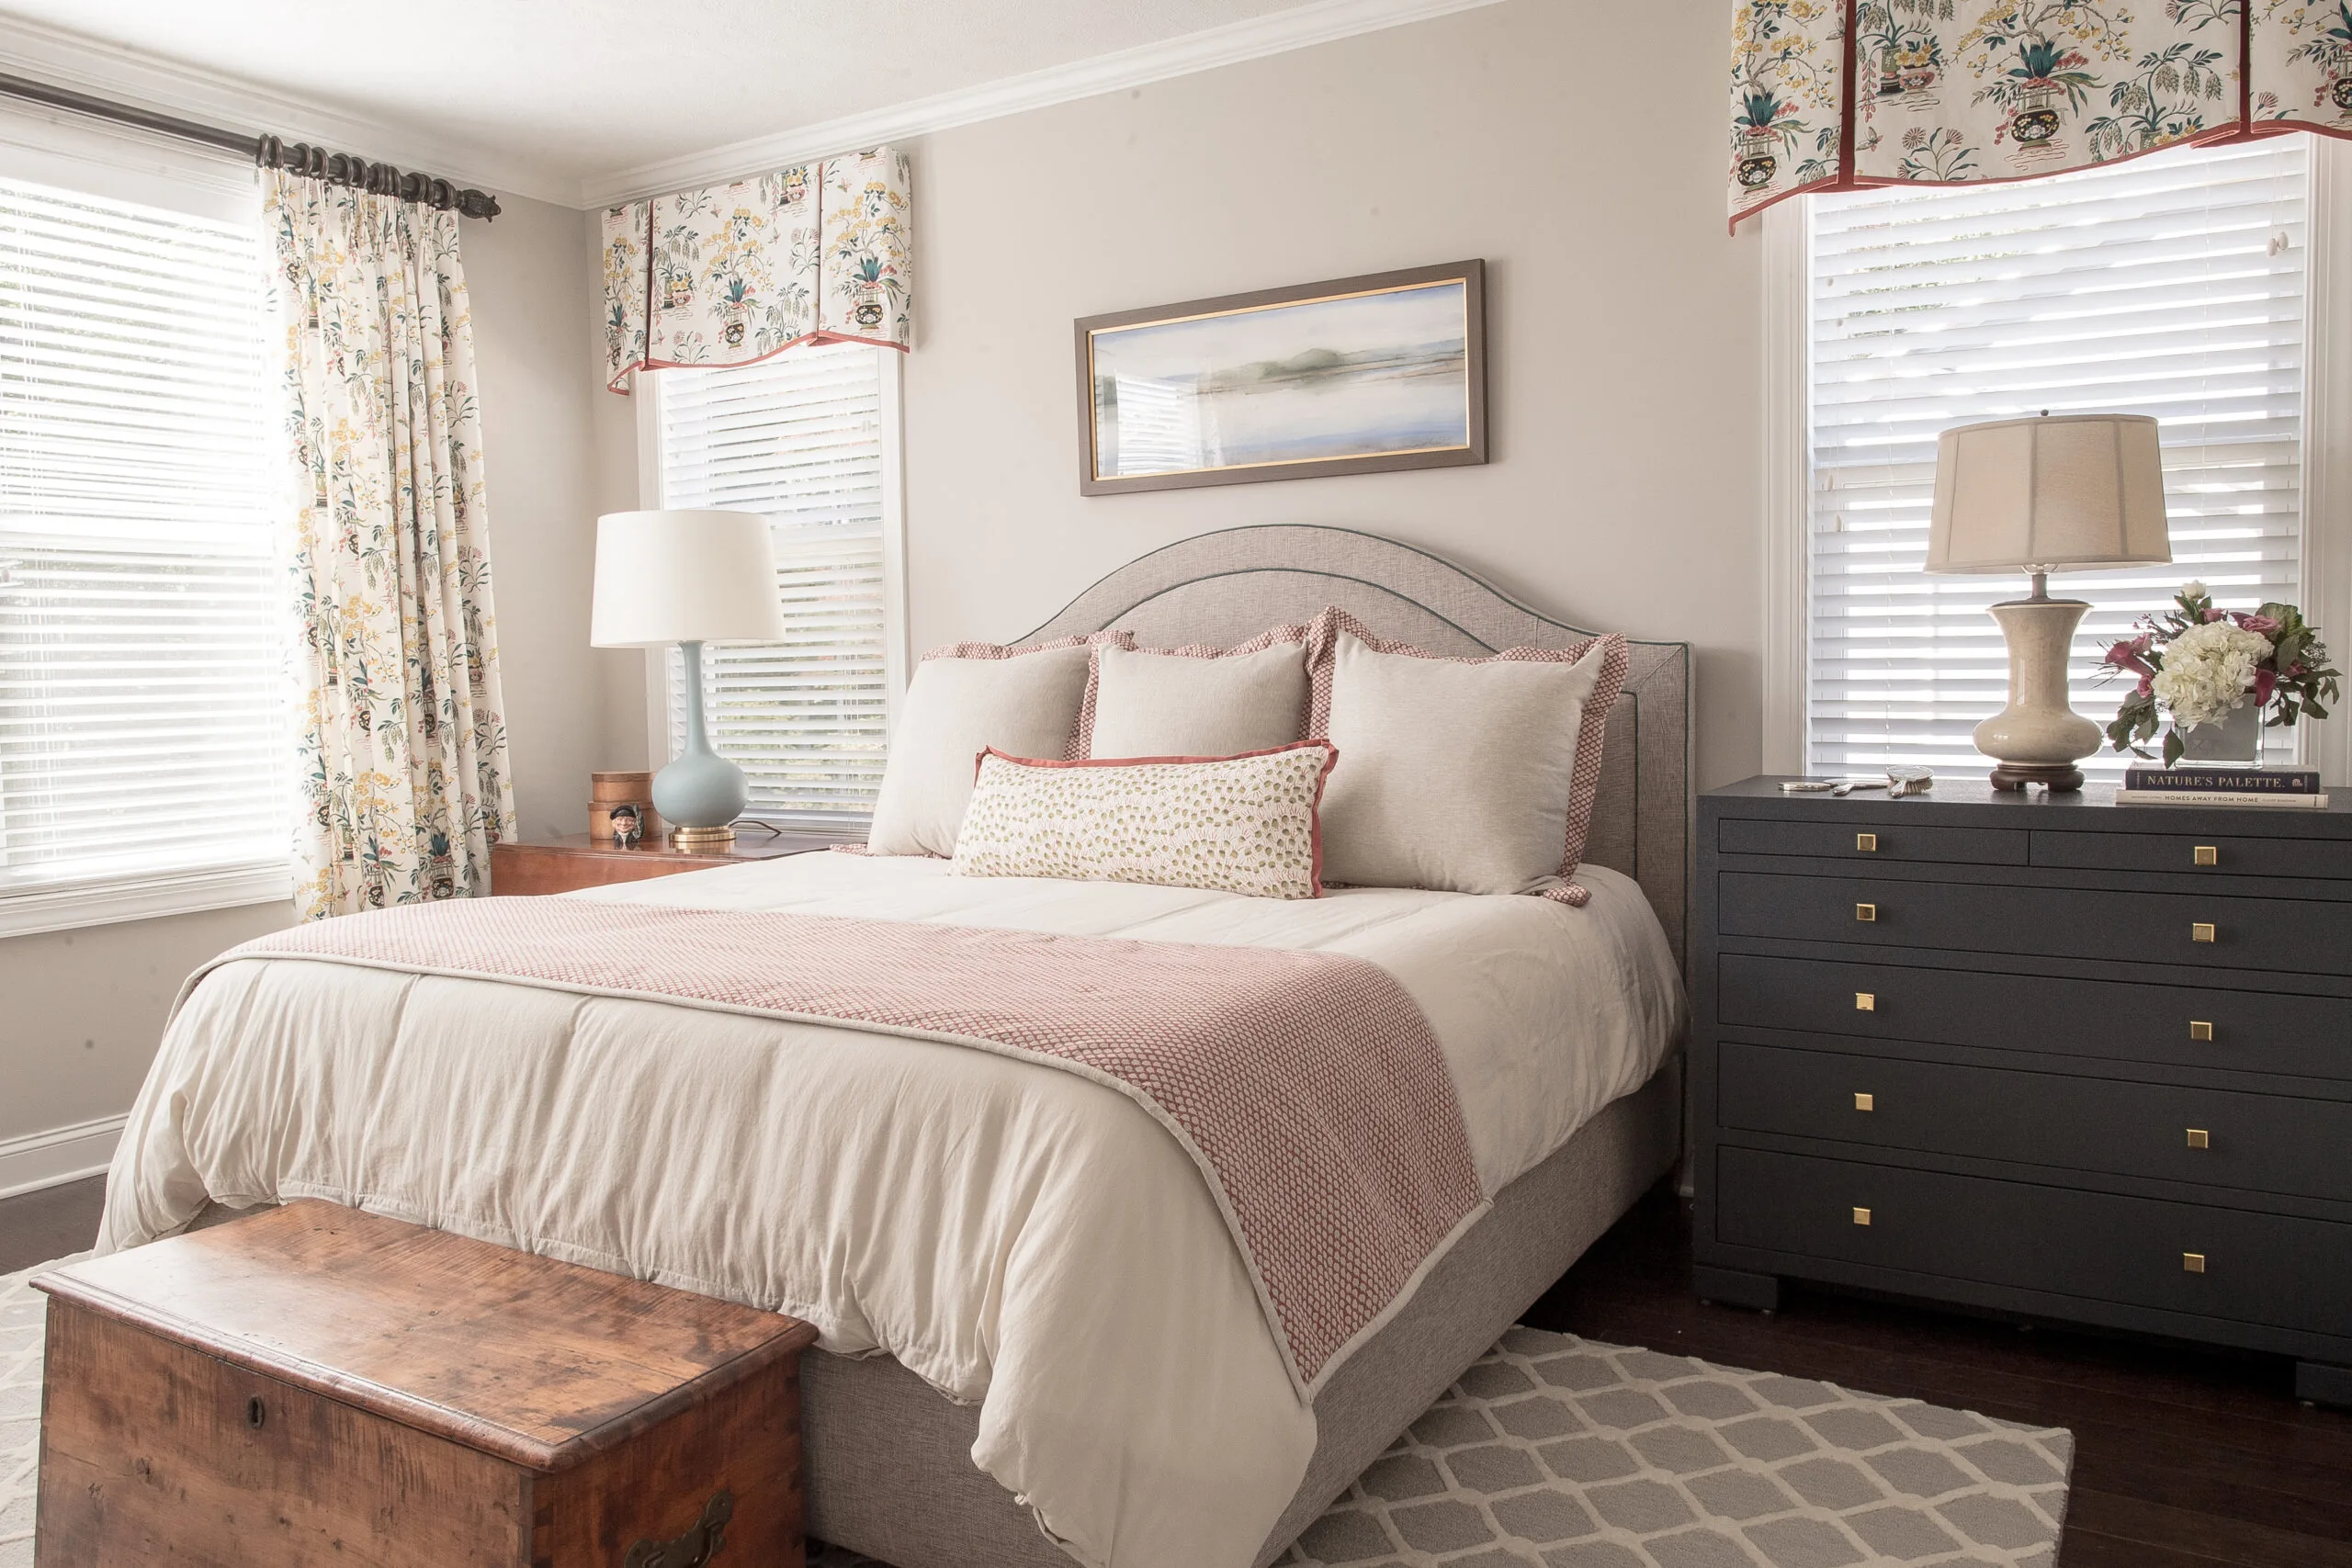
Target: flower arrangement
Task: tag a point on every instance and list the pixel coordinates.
(2197, 664)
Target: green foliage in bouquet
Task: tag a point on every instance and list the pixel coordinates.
(2197, 662)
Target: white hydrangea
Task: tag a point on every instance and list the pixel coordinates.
(2207, 670)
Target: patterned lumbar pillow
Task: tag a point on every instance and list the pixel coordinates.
(1244, 824)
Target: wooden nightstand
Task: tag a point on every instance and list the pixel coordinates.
(559, 865)
(2054, 1057)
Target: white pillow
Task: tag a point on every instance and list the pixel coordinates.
(1021, 701)
(1459, 775)
(1232, 824)
(1204, 703)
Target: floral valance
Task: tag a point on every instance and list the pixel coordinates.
(1839, 94)
(732, 274)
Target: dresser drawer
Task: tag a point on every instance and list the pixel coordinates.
(2254, 1143)
(2184, 1026)
(2296, 935)
(1848, 841)
(2195, 855)
(2263, 1268)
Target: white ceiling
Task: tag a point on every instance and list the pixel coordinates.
(582, 100)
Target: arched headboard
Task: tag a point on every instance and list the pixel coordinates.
(1227, 587)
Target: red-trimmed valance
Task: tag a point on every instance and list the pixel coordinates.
(728, 275)
(1835, 95)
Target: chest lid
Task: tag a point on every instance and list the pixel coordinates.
(534, 1362)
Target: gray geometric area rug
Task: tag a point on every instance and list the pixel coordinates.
(1555, 1452)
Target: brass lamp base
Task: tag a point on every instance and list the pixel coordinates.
(703, 838)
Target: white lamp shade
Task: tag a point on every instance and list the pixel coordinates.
(2049, 494)
(665, 577)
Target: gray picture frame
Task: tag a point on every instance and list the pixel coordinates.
(1471, 276)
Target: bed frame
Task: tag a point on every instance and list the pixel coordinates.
(890, 1471)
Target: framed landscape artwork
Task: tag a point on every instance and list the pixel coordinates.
(1361, 375)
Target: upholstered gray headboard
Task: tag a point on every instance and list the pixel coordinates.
(1229, 586)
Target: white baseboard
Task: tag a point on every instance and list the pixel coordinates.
(60, 1155)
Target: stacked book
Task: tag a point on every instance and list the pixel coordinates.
(2288, 787)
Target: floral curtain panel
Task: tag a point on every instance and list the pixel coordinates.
(402, 750)
(1839, 94)
(733, 273)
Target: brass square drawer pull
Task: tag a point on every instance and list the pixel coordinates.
(2200, 1030)
(1868, 912)
(2207, 855)
(1866, 843)
(2198, 1138)
(1865, 1002)
(2192, 1262)
(1862, 1217)
(2200, 932)
(1865, 1102)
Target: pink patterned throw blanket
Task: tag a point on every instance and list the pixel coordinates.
(1307, 1086)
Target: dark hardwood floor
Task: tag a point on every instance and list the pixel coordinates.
(38, 1226)
(2185, 1458)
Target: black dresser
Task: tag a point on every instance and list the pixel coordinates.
(2051, 1056)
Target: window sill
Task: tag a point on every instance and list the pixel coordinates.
(112, 900)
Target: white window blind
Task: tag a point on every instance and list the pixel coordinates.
(799, 439)
(2173, 286)
(142, 689)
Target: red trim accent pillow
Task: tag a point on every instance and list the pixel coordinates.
(1584, 781)
(1249, 824)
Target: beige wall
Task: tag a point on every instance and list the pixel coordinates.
(80, 1011)
(1623, 328)
(533, 311)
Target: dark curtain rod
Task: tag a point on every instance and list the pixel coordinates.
(269, 151)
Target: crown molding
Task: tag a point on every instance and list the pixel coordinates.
(1322, 21)
(145, 81)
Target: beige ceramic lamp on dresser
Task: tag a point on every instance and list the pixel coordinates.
(2044, 496)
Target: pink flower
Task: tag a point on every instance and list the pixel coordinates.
(2211, 614)
(2126, 655)
(2261, 625)
(2265, 683)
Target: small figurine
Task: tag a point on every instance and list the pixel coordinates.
(628, 826)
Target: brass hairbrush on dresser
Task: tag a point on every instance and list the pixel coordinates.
(2053, 1057)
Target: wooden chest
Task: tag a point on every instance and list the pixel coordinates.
(313, 1385)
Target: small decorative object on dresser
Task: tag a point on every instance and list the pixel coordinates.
(608, 790)
(2049, 1057)
(2220, 676)
(313, 1385)
(2039, 496)
(688, 578)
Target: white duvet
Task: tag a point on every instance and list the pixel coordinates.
(1017, 1236)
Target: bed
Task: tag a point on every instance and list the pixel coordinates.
(662, 1141)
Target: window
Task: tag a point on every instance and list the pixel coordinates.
(800, 438)
(142, 688)
(2173, 286)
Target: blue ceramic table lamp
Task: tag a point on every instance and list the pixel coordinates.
(688, 578)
